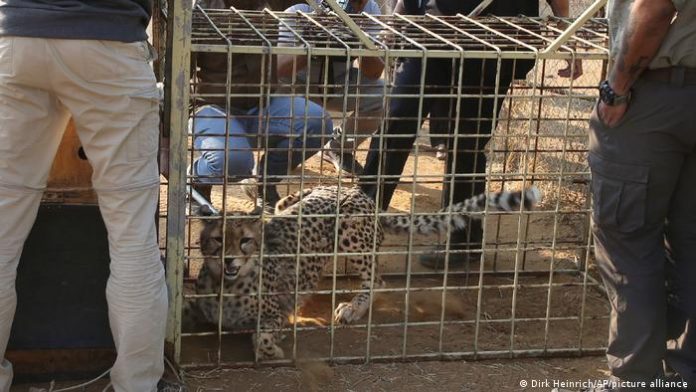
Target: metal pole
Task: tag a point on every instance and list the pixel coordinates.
(178, 64)
(350, 23)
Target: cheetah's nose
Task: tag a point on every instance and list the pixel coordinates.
(231, 271)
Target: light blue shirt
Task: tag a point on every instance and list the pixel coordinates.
(370, 8)
(286, 38)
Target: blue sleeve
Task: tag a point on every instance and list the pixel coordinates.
(372, 8)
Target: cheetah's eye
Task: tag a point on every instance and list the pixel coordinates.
(245, 240)
(218, 239)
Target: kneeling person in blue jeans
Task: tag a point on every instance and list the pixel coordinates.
(288, 128)
(290, 124)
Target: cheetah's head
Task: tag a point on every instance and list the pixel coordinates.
(242, 239)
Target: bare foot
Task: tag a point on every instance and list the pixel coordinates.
(576, 70)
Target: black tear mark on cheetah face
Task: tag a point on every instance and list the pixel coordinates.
(241, 241)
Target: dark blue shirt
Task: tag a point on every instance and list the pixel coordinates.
(453, 7)
(112, 20)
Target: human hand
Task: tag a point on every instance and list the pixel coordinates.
(610, 116)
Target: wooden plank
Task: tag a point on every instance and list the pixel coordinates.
(44, 365)
(70, 179)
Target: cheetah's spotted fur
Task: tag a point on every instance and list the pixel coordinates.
(286, 236)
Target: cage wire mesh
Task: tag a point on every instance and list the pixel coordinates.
(528, 290)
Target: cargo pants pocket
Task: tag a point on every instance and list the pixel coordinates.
(143, 143)
(6, 56)
(619, 193)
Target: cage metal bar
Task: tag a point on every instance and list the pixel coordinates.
(577, 38)
(435, 288)
(451, 195)
(409, 245)
(435, 51)
(364, 39)
(267, 46)
(586, 277)
(448, 231)
(479, 300)
(414, 323)
(455, 356)
(228, 86)
(302, 178)
(525, 175)
(373, 255)
(300, 211)
(406, 252)
(348, 53)
(177, 75)
(547, 323)
(406, 53)
(570, 31)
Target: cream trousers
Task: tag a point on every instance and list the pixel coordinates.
(109, 90)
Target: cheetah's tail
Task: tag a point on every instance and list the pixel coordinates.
(457, 214)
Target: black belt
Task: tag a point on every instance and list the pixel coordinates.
(681, 76)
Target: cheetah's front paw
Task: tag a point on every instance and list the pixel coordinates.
(274, 352)
(347, 313)
(266, 348)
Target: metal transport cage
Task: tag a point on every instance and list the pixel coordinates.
(529, 290)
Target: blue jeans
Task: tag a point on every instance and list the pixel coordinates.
(364, 107)
(287, 121)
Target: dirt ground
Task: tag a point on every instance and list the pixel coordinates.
(487, 375)
(417, 376)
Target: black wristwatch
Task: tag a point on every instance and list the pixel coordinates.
(609, 96)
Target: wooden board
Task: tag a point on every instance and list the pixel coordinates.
(56, 364)
(70, 180)
(61, 326)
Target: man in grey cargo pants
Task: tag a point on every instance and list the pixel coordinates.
(643, 162)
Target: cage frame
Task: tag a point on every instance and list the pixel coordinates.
(179, 46)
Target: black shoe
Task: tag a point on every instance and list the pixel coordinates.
(169, 386)
(441, 152)
(436, 260)
(343, 162)
(193, 207)
(204, 190)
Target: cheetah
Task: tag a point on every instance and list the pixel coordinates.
(302, 233)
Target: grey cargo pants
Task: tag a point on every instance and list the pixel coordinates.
(644, 194)
(109, 89)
